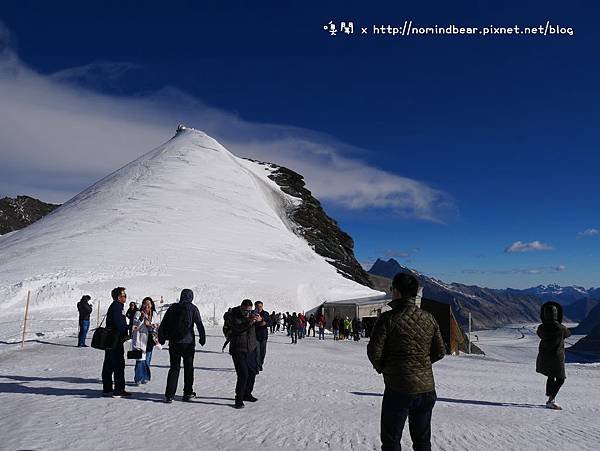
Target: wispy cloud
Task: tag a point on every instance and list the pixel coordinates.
(520, 246)
(58, 135)
(588, 233)
(524, 271)
(401, 254)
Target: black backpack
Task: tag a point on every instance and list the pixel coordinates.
(226, 324)
(177, 322)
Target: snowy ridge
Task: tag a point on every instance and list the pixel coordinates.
(186, 214)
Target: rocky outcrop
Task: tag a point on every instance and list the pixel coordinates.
(317, 228)
(21, 211)
(586, 350)
(580, 309)
(591, 321)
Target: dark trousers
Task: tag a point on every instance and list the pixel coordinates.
(261, 352)
(553, 385)
(84, 326)
(245, 368)
(114, 362)
(395, 408)
(294, 335)
(178, 351)
(311, 328)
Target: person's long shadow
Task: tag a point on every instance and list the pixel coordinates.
(201, 368)
(208, 352)
(70, 380)
(37, 341)
(87, 393)
(467, 401)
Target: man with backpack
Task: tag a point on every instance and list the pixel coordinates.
(178, 327)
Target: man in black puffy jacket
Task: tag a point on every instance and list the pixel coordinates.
(182, 344)
(404, 343)
(243, 350)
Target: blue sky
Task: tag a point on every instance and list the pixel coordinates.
(462, 145)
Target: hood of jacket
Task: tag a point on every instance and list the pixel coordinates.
(551, 312)
(186, 296)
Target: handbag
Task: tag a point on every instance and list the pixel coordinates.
(134, 354)
(104, 337)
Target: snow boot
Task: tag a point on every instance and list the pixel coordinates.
(189, 397)
(552, 405)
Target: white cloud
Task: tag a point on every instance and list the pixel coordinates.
(520, 246)
(526, 271)
(588, 233)
(391, 253)
(58, 137)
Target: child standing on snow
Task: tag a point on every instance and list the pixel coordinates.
(551, 356)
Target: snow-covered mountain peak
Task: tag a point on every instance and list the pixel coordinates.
(186, 214)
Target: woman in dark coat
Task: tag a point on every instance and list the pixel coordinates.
(551, 356)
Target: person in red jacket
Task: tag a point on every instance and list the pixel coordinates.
(321, 324)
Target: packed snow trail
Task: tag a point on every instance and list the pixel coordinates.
(316, 394)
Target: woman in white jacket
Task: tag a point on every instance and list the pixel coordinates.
(145, 325)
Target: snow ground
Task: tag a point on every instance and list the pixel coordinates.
(318, 395)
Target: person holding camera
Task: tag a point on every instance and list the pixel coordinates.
(262, 335)
(242, 348)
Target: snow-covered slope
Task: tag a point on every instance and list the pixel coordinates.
(187, 214)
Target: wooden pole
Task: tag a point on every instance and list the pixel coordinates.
(469, 332)
(98, 315)
(25, 319)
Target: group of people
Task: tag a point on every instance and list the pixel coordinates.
(404, 344)
(247, 332)
(344, 329)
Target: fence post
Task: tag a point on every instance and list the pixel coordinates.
(470, 322)
(98, 315)
(25, 319)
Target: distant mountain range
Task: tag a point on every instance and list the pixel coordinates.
(491, 307)
(17, 213)
(563, 295)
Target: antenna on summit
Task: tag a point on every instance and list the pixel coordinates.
(180, 128)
